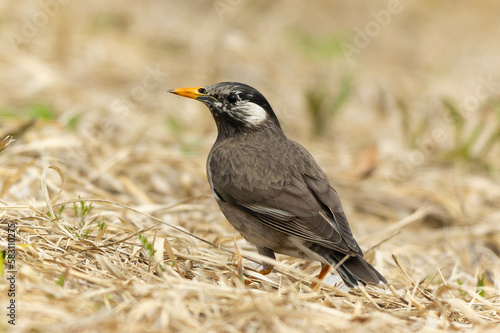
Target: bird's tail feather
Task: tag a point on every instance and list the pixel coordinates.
(356, 269)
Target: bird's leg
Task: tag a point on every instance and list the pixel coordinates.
(324, 270)
(263, 271)
(267, 267)
(266, 271)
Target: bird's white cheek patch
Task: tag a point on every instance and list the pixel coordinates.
(252, 113)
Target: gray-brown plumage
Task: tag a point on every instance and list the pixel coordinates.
(271, 189)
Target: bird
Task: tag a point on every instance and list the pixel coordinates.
(271, 189)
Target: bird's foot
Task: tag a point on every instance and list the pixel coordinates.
(251, 279)
(324, 271)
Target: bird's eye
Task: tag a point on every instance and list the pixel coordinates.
(232, 98)
(202, 90)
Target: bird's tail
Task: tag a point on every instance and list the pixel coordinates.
(355, 269)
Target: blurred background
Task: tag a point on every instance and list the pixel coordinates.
(407, 76)
(398, 101)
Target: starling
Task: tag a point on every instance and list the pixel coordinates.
(272, 190)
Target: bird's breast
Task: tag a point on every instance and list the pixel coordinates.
(249, 166)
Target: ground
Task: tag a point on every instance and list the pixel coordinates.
(106, 219)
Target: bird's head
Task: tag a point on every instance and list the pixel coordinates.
(236, 107)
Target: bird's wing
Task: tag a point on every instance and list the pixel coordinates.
(305, 206)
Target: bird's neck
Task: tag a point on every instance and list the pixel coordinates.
(267, 130)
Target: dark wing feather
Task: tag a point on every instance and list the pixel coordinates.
(296, 199)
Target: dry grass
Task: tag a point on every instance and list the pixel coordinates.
(115, 226)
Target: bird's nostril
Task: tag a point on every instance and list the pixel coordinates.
(202, 90)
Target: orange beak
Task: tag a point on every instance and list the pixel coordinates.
(193, 93)
(187, 92)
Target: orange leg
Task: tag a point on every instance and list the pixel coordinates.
(262, 271)
(324, 270)
(266, 271)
